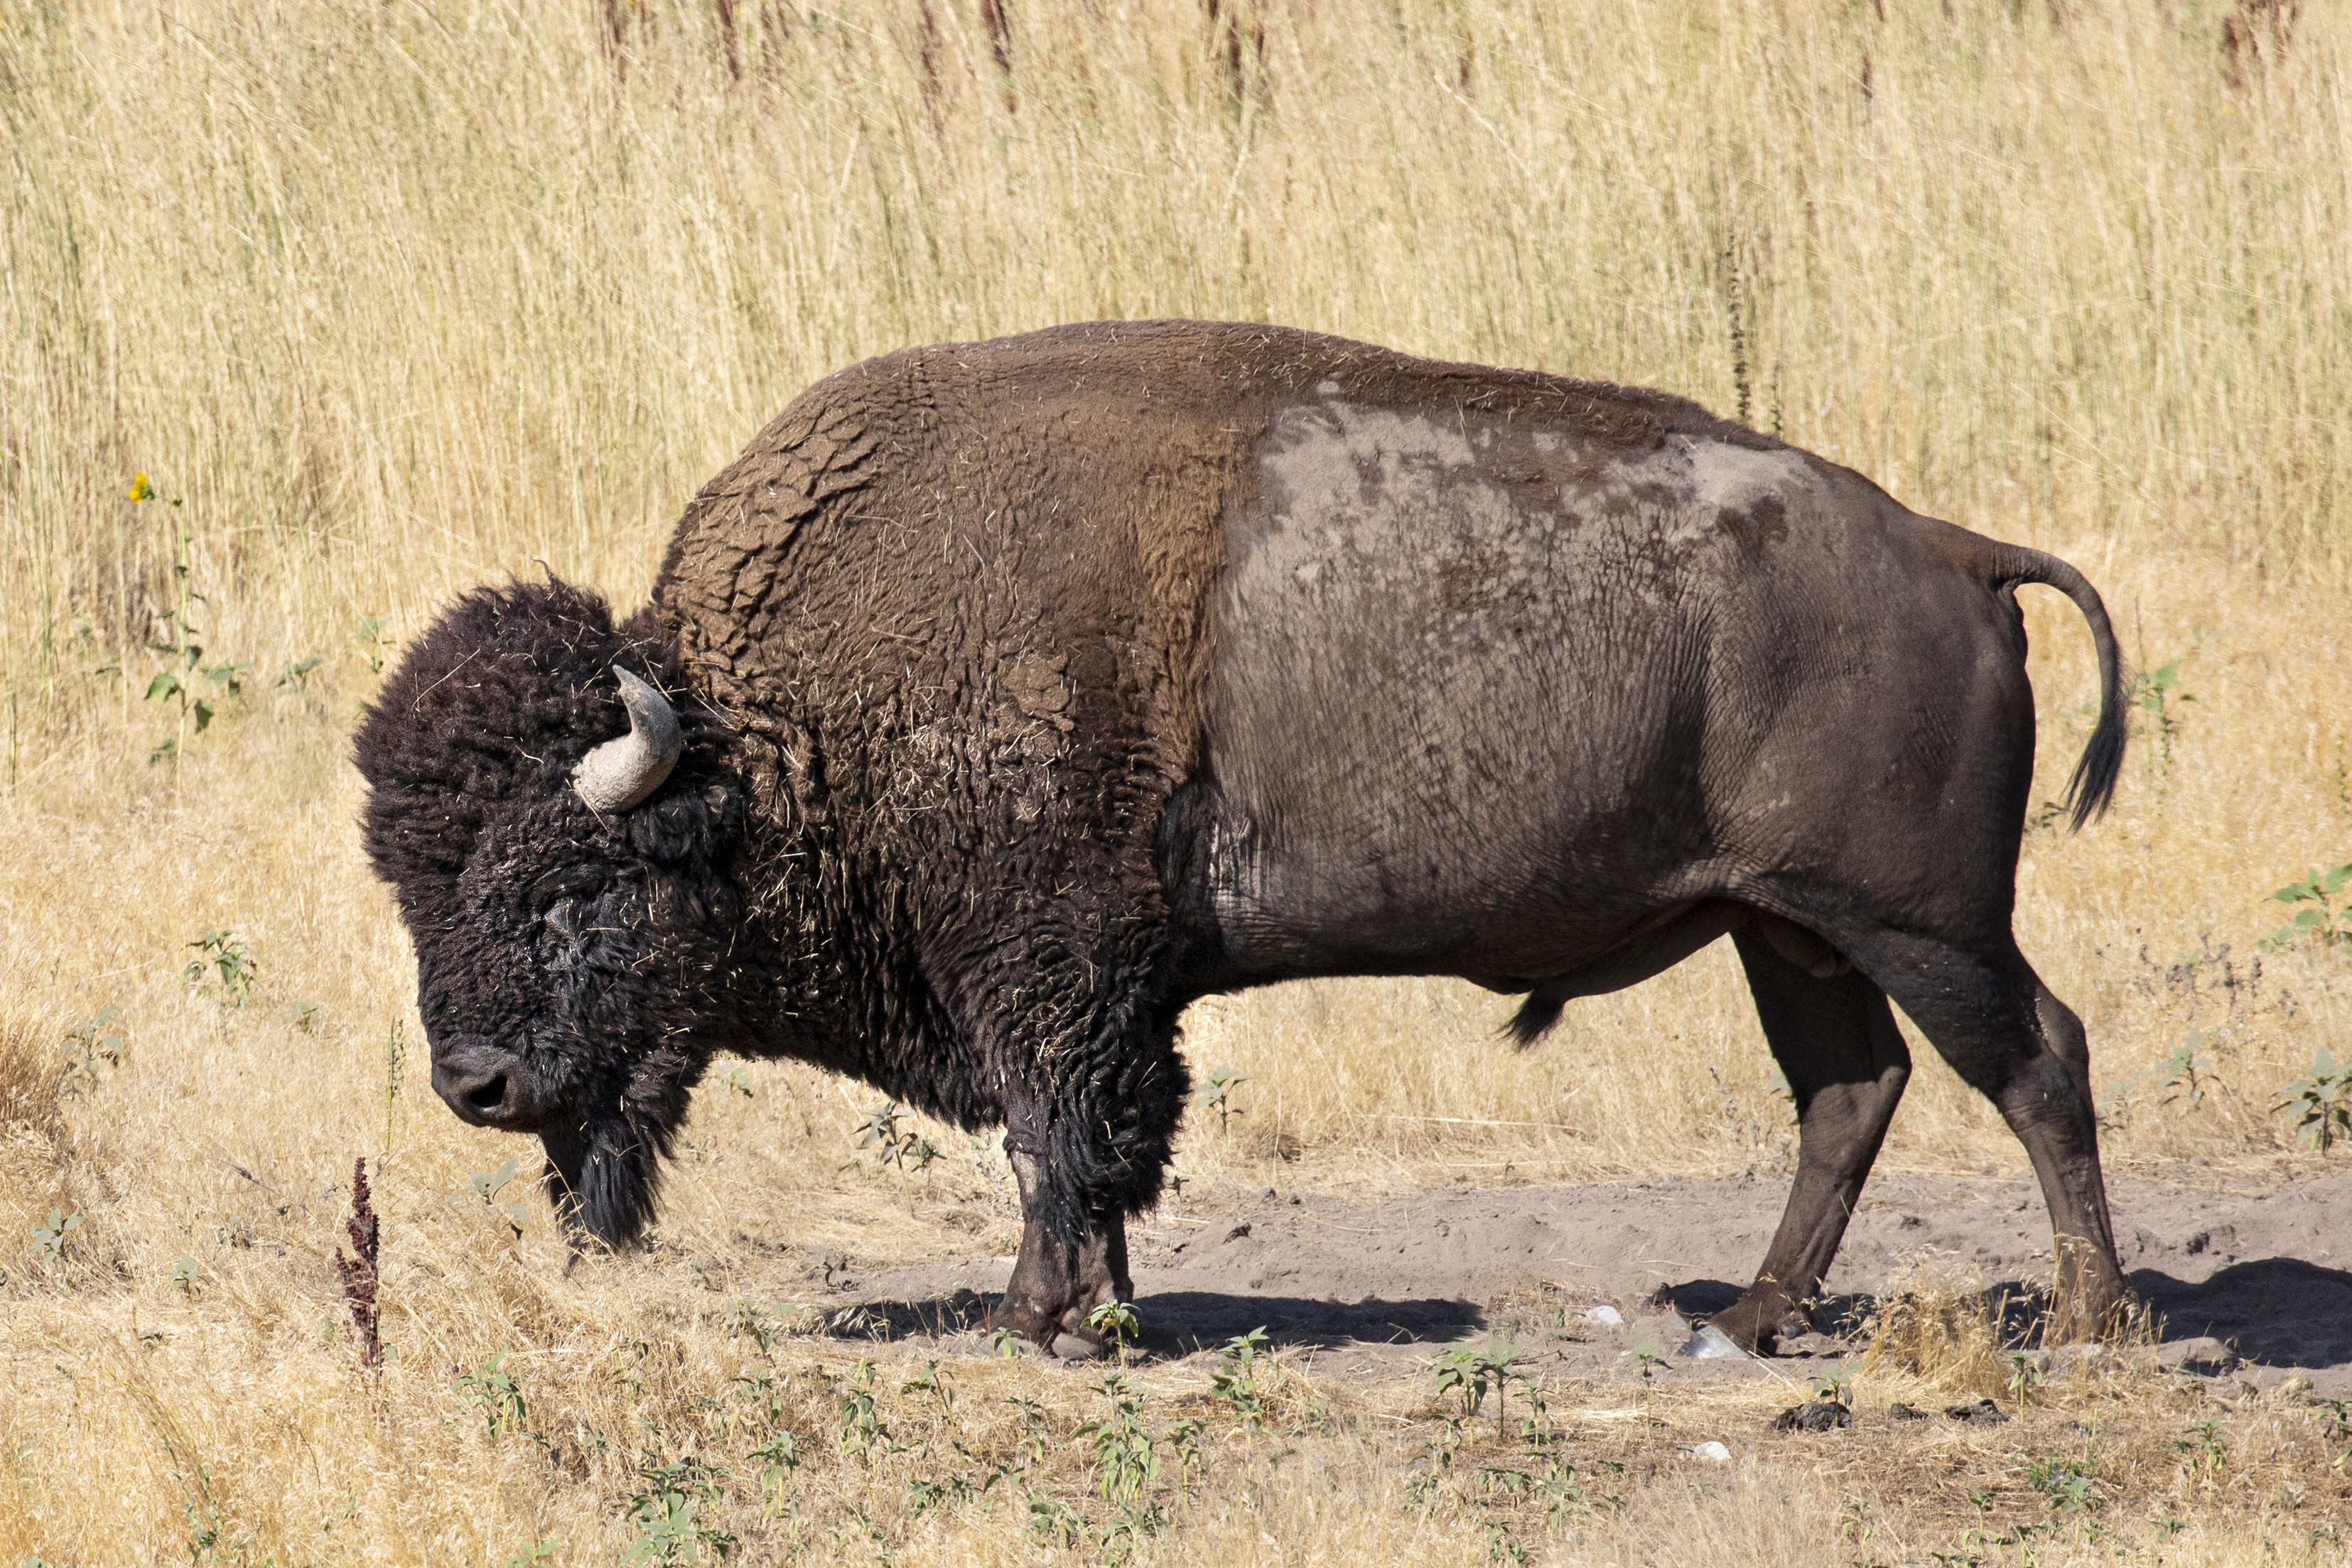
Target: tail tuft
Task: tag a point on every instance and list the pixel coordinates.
(1535, 1015)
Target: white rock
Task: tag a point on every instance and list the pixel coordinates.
(1710, 1449)
(1605, 1313)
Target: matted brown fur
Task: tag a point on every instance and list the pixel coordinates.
(898, 500)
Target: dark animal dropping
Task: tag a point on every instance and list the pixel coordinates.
(1820, 1415)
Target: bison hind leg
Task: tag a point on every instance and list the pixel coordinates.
(2010, 1039)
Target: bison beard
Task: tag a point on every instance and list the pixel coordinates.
(1025, 691)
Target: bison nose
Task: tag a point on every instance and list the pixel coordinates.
(486, 1084)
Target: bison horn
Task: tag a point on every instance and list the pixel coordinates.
(620, 773)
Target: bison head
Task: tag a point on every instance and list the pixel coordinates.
(561, 846)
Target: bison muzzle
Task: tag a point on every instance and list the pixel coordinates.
(1001, 699)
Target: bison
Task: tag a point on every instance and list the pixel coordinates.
(1003, 698)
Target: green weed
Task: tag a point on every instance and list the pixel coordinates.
(1473, 1371)
(2322, 1101)
(495, 1392)
(1235, 1381)
(1115, 1321)
(90, 1043)
(672, 1509)
(894, 1144)
(372, 640)
(863, 1435)
(51, 1235)
(223, 969)
(485, 1186)
(2325, 920)
(2068, 1486)
(1126, 1458)
(1216, 1094)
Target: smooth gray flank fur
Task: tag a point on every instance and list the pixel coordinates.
(1033, 689)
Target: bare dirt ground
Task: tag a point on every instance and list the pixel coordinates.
(1375, 1287)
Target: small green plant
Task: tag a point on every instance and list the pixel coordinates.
(223, 969)
(1005, 1342)
(1235, 1381)
(2023, 1377)
(183, 681)
(90, 1042)
(1053, 1522)
(1472, 1371)
(777, 1458)
(1126, 1458)
(2188, 1074)
(1217, 1094)
(307, 1016)
(2324, 921)
(2204, 1449)
(486, 1187)
(2322, 1101)
(739, 1082)
(1115, 1321)
(933, 1382)
(50, 1235)
(2338, 1416)
(296, 676)
(371, 641)
(863, 1435)
(2068, 1486)
(1187, 1440)
(2156, 695)
(672, 1507)
(1647, 1365)
(1036, 1437)
(1835, 1386)
(749, 1319)
(184, 1275)
(396, 1066)
(494, 1392)
(881, 1131)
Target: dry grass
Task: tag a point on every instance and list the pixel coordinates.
(394, 300)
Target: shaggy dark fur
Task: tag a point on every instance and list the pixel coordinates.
(1035, 688)
(534, 921)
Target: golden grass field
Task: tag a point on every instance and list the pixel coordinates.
(385, 301)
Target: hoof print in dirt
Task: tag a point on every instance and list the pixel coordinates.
(1983, 1413)
(1820, 1415)
(1901, 1412)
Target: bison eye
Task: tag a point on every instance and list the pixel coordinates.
(564, 882)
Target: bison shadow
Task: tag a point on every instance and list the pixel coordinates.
(2281, 1311)
(1177, 1322)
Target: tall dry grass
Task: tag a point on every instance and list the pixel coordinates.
(388, 301)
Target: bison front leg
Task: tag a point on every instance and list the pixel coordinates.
(1057, 1281)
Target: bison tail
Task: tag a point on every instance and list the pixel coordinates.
(2093, 788)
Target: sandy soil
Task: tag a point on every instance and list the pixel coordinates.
(1374, 1285)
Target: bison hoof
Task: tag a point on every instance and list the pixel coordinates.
(1075, 1347)
(1752, 1330)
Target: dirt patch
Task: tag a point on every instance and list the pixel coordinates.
(1372, 1284)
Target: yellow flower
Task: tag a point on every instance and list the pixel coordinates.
(140, 489)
